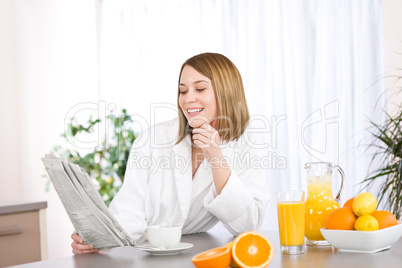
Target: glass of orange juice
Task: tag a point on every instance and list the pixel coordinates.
(291, 212)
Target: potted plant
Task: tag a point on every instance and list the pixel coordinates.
(106, 164)
(388, 144)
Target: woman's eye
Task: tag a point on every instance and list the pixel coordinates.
(200, 89)
(183, 92)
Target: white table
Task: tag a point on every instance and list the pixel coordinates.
(313, 257)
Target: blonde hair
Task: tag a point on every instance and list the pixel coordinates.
(233, 115)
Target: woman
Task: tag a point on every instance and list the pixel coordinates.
(208, 176)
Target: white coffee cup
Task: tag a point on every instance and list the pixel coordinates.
(164, 236)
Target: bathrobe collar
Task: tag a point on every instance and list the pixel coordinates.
(183, 175)
(183, 172)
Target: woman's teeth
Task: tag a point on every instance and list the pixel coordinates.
(192, 111)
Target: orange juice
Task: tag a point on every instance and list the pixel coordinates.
(291, 223)
(319, 205)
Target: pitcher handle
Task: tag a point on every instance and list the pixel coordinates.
(340, 170)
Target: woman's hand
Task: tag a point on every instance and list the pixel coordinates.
(207, 138)
(79, 247)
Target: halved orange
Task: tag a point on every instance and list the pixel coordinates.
(252, 249)
(232, 264)
(213, 258)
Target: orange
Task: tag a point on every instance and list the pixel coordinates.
(385, 218)
(213, 258)
(232, 264)
(341, 219)
(349, 203)
(252, 249)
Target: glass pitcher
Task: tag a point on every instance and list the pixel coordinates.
(320, 202)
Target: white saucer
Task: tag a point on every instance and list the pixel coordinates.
(171, 251)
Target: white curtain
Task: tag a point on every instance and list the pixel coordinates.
(297, 58)
(312, 72)
(48, 64)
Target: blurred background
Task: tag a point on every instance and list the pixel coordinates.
(315, 74)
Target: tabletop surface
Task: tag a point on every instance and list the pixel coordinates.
(326, 256)
(9, 206)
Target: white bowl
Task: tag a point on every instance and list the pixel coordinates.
(363, 241)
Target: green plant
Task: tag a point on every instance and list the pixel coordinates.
(105, 164)
(388, 142)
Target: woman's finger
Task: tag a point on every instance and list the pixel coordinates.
(78, 252)
(207, 135)
(199, 144)
(205, 130)
(81, 246)
(200, 131)
(207, 127)
(203, 139)
(77, 238)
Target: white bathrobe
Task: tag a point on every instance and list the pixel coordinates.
(159, 188)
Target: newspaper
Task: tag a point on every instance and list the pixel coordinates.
(85, 207)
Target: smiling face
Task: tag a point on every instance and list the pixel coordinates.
(197, 97)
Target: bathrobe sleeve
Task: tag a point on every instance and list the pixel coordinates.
(242, 203)
(128, 206)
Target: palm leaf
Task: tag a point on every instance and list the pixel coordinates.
(387, 144)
